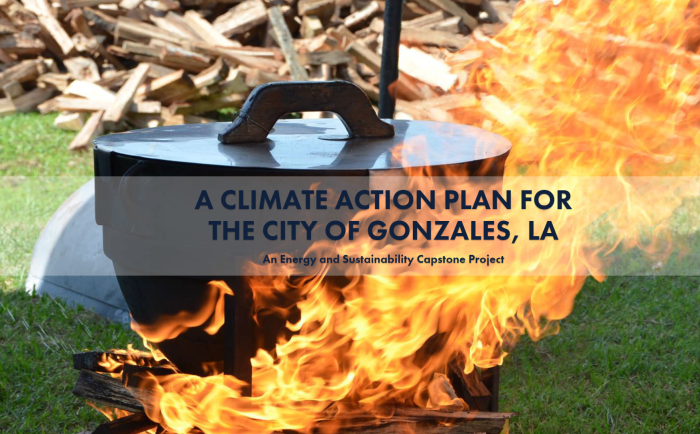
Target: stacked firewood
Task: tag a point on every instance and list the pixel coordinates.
(107, 65)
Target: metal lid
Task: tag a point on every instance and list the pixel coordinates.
(308, 145)
(357, 140)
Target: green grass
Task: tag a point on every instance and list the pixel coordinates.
(37, 174)
(38, 335)
(627, 360)
(31, 145)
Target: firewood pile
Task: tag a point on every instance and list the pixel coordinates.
(108, 65)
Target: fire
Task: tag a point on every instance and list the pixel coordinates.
(581, 88)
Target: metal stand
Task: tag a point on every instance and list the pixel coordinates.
(238, 335)
(492, 378)
(389, 72)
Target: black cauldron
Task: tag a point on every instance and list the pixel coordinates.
(358, 144)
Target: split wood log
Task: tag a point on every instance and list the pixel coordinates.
(216, 73)
(364, 55)
(5, 58)
(80, 24)
(362, 16)
(319, 58)
(132, 370)
(205, 31)
(161, 53)
(138, 31)
(453, 8)
(177, 56)
(17, 13)
(186, 119)
(21, 44)
(112, 392)
(47, 106)
(177, 86)
(69, 104)
(350, 74)
(422, 109)
(59, 81)
(321, 42)
(235, 82)
(82, 68)
(262, 52)
(311, 26)
(157, 120)
(426, 68)
(90, 91)
(26, 70)
(434, 37)
(476, 395)
(101, 20)
(75, 4)
(323, 9)
(129, 4)
(26, 102)
(284, 39)
(424, 36)
(241, 18)
(46, 16)
(175, 24)
(206, 105)
(491, 12)
(156, 71)
(116, 79)
(70, 121)
(106, 390)
(425, 21)
(449, 25)
(502, 10)
(12, 89)
(400, 419)
(427, 7)
(125, 95)
(6, 27)
(235, 57)
(132, 424)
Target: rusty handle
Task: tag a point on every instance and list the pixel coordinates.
(268, 102)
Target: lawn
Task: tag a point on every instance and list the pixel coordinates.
(626, 361)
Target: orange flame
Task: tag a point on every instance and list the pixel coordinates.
(584, 88)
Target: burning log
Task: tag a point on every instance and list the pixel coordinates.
(472, 390)
(132, 424)
(400, 420)
(131, 393)
(100, 361)
(112, 392)
(107, 391)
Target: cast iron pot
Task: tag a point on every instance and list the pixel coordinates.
(357, 143)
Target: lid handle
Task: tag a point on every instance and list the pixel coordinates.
(268, 102)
